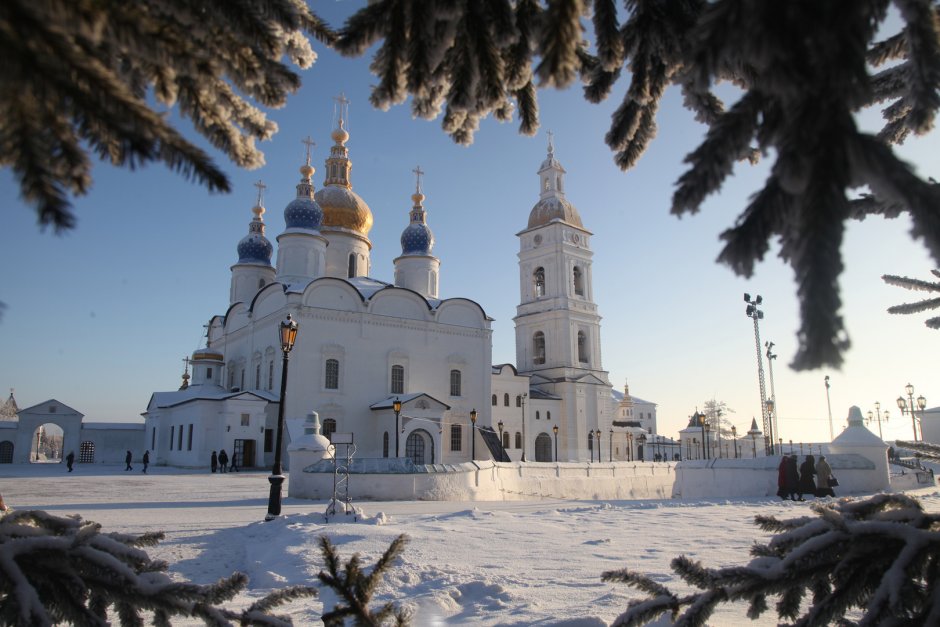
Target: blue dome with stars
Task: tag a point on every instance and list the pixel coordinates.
(303, 213)
(255, 248)
(417, 239)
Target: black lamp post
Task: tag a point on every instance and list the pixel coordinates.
(499, 425)
(555, 433)
(610, 447)
(904, 406)
(288, 329)
(396, 407)
(641, 444)
(597, 436)
(473, 434)
(734, 436)
(591, 443)
(522, 405)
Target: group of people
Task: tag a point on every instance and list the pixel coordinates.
(220, 462)
(811, 477)
(70, 461)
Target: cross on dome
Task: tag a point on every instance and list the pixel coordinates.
(310, 144)
(261, 187)
(418, 172)
(341, 110)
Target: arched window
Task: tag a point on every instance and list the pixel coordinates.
(538, 348)
(332, 374)
(351, 272)
(548, 415)
(578, 282)
(506, 400)
(494, 400)
(260, 283)
(518, 400)
(505, 439)
(270, 374)
(537, 416)
(329, 428)
(582, 347)
(456, 437)
(398, 379)
(455, 383)
(539, 278)
(385, 444)
(518, 440)
(257, 376)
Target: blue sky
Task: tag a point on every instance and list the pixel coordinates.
(102, 316)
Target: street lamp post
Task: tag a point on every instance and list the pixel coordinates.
(756, 314)
(597, 437)
(473, 434)
(522, 405)
(555, 433)
(829, 406)
(591, 443)
(877, 417)
(921, 405)
(499, 425)
(610, 447)
(396, 406)
(770, 406)
(288, 331)
(641, 440)
(734, 437)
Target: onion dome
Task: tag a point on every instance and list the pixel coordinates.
(342, 207)
(255, 248)
(552, 204)
(417, 238)
(304, 212)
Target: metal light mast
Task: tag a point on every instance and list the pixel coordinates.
(773, 395)
(756, 314)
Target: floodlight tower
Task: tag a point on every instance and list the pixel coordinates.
(756, 314)
(771, 356)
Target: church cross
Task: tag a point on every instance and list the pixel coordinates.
(261, 187)
(551, 142)
(342, 105)
(418, 172)
(187, 361)
(310, 144)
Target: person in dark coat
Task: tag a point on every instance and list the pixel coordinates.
(232, 465)
(807, 471)
(782, 491)
(70, 459)
(146, 460)
(793, 479)
(127, 460)
(215, 462)
(223, 461)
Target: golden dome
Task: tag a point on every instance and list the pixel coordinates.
(343, 208)
(554, 208)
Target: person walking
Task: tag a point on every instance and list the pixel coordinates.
(793, 479)
(782, 490)
(824, 472)
(127, 461)
(146, 460)
(69, 460)
(223, 461)
(807, 470)
(215, 462)
(232, 465)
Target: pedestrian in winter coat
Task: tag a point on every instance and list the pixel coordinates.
(223, 461)
(824, 472)
(127, 460)
(215, 462)
(146, 460)
(807, 470)
(232, 466)
(782, 491)
(69, 460)
(793, 479)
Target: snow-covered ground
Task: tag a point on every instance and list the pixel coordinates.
(484, 563)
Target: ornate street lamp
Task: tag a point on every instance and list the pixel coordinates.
(555, 432)
(522, 405)
(641, 443)
(396, 407)
(610, 452)
(877, 417)
(769, 404)
(909, 407)
(473, 434)
(597, 436)
(734, 436)
(288, 331)
(499, 425)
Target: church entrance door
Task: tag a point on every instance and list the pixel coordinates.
(419, 447)
(6, 452)
(543, 448)
(244, 452)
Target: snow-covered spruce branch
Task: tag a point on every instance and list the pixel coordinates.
(56, 570)
(354, 587)
(926, 449)
(876, 556)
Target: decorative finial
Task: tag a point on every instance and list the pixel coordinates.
(341, 110)
(261, 187)
(310, 144)
(418, 172)
(551, 143)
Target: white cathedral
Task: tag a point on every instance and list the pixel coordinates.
(365, 343)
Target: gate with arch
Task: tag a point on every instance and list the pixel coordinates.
(419, 447)
(543, 448)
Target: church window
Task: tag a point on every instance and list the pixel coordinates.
(242, 380)
(560, 183)
(385, 444)
(548, 415)
(398, 379)
(260, 283)
(179, 439)
(172, 434)
(332, 374)
(246, 418)
(208, 373)
(329, 428)
(582, 347)
(537, 415)
(506, 400)
(518, 400)
(268, 440)
(547, 183)
(189, 438)
(578, 282)
(538, 348)
(518, 440)
(494, 401)
(351, 272)
(539, 278)
(456, 437)
(270, 374)
(455, 383)
(231, 378)
(257, 376)
(505, 439)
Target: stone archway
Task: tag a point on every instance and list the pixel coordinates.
(419, 447)
(543, 448)
(46, 444)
